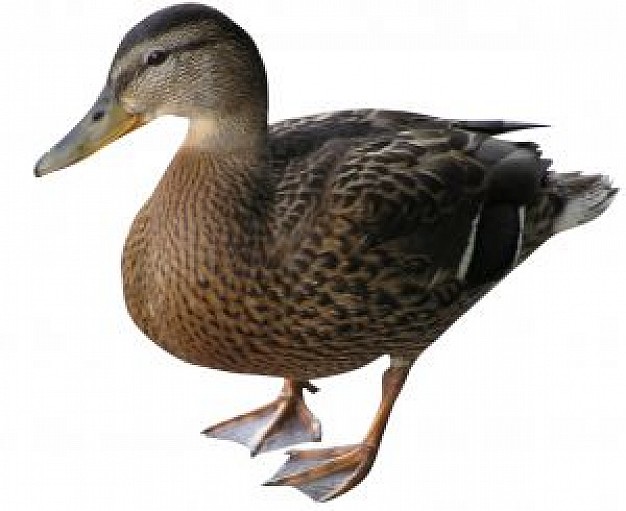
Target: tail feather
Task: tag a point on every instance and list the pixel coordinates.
(584, 197)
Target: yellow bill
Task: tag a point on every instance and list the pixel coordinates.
(104, 123)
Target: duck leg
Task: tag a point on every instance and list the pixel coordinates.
(324, 474)
(285, 421)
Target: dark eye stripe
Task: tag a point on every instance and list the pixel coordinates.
(128, 75)
(156, 57)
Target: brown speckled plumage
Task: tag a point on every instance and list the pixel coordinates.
(315, 245)
(310, 268)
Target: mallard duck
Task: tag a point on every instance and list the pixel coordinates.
(315, 245)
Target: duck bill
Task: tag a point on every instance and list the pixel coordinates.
(104, 123)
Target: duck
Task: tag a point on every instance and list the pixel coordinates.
(312, 246)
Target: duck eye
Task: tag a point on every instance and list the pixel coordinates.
(155, 57)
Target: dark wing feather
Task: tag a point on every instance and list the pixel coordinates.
(495, 127)
(407, 184)
(299, 137)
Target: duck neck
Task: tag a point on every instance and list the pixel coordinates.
(216, 192)
(243, 133)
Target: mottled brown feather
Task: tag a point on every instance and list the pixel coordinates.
(339, 248)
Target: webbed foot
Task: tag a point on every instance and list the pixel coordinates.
(324, 474)
(283, 422)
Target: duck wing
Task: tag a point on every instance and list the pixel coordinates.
(408, 185)
(299, 137)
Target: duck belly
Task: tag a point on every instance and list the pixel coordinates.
(216, 311)
(205, 323)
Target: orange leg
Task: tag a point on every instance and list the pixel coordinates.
(283, 422)
(324, 474)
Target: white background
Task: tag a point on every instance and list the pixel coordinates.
(520, 406)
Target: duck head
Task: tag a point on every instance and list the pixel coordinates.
(188, 60)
